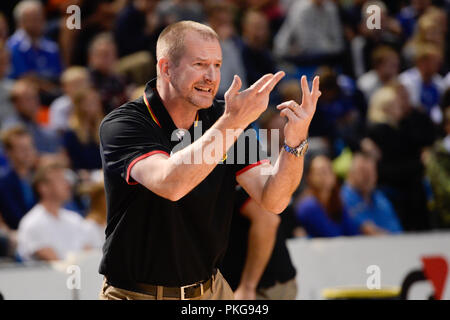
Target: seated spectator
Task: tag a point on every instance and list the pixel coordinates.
(256, 54)
(301, 36)
(137, 27)
(6, 109)
(424, 84)
(409, 15)
(102, 57)
(367, 205)
(81, 141)
(16, 194)
(73, 80)
(428, 31)
(25, 98)
(364, 44)
(337, 117)
(321, 212)
(385, 68)
(31, 53)
(172, 11)
(49, 232)
(220, 18)
(400, 169)
(438, 172)
(95, 221)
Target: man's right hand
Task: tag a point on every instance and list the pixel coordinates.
(246, 106)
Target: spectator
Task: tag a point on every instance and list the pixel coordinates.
(400, 169)
(137, 27)
(302, 36)
(6, 109)
(25, 98)
(172, 11)
(256, 54)
(102, 60)
(95, 221)
(385, 68)
(321, 212)
(73, 80)
(438, 171)
(220, 18)
(409, 15)
(367, 40)
(4, 28)
(16, 194)
(31, 53)
(257, 263)
(81, 141)
(367, 205)
(428, 31)
(49, 232)
(423, 82)
(337, 117)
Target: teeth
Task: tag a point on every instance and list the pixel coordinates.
(203, 89)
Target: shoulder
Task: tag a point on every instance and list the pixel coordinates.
(32, 218)
(307, 204)
(71, 216)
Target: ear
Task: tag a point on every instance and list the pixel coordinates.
(164, 68)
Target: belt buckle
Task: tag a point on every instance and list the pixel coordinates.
(183, 297)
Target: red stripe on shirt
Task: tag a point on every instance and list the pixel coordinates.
(138, 159)
(251, 166)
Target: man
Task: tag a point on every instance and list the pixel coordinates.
(25, 98)
(48, 231)
(168, 219)
(102, 58)
(30, 52)
(367, 205)
(16, 194)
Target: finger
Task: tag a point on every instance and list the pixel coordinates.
(268, 87)
(288, 113)
(294, 106)
(261, 82)
(234, 88)
(306, 94)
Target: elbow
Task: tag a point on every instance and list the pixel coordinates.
(276, 208)
(175, 195)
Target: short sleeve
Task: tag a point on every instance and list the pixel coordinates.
(124, 140)
(30, 239)
(247, 152)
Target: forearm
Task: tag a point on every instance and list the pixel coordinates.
(188, 167)
(281, 184)
(261, 241)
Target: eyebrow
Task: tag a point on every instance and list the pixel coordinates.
(202, 59)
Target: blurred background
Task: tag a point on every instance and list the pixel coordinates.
(376, 185)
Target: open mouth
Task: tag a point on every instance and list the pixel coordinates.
(203, 89)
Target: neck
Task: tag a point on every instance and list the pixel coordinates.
(22, 172)
(426, 77)
(324, 196)
(364, 193)
(51, 206)
(181, 112)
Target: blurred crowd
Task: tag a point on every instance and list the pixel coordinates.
(379, 157)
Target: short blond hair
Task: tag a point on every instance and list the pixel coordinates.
(74, 73)
(170, 42)
(378, 103)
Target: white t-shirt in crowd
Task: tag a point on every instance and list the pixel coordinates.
(40, 229)
(95, 233)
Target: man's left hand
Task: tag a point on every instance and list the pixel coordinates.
(300, 116)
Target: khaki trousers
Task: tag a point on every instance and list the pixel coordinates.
(220, 290)
(280, 291)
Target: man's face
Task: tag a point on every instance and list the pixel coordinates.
(57, 186)
(103, 57)
(33, 21)
(196, 79)
(27, 102)
(22, 153)
(364, 174)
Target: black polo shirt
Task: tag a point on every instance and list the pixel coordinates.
(148, 238)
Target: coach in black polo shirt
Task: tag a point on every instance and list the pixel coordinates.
(169, 213)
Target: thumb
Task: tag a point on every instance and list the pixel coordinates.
(234, 88)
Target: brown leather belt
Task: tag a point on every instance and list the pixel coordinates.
(185, 292)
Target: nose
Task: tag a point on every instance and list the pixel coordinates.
(210, 74)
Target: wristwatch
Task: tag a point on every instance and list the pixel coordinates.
(298, 151)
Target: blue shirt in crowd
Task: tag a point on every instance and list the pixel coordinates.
(379, 210)
(313, 217)
(43, 58)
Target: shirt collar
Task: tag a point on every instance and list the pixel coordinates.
(157, 110)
